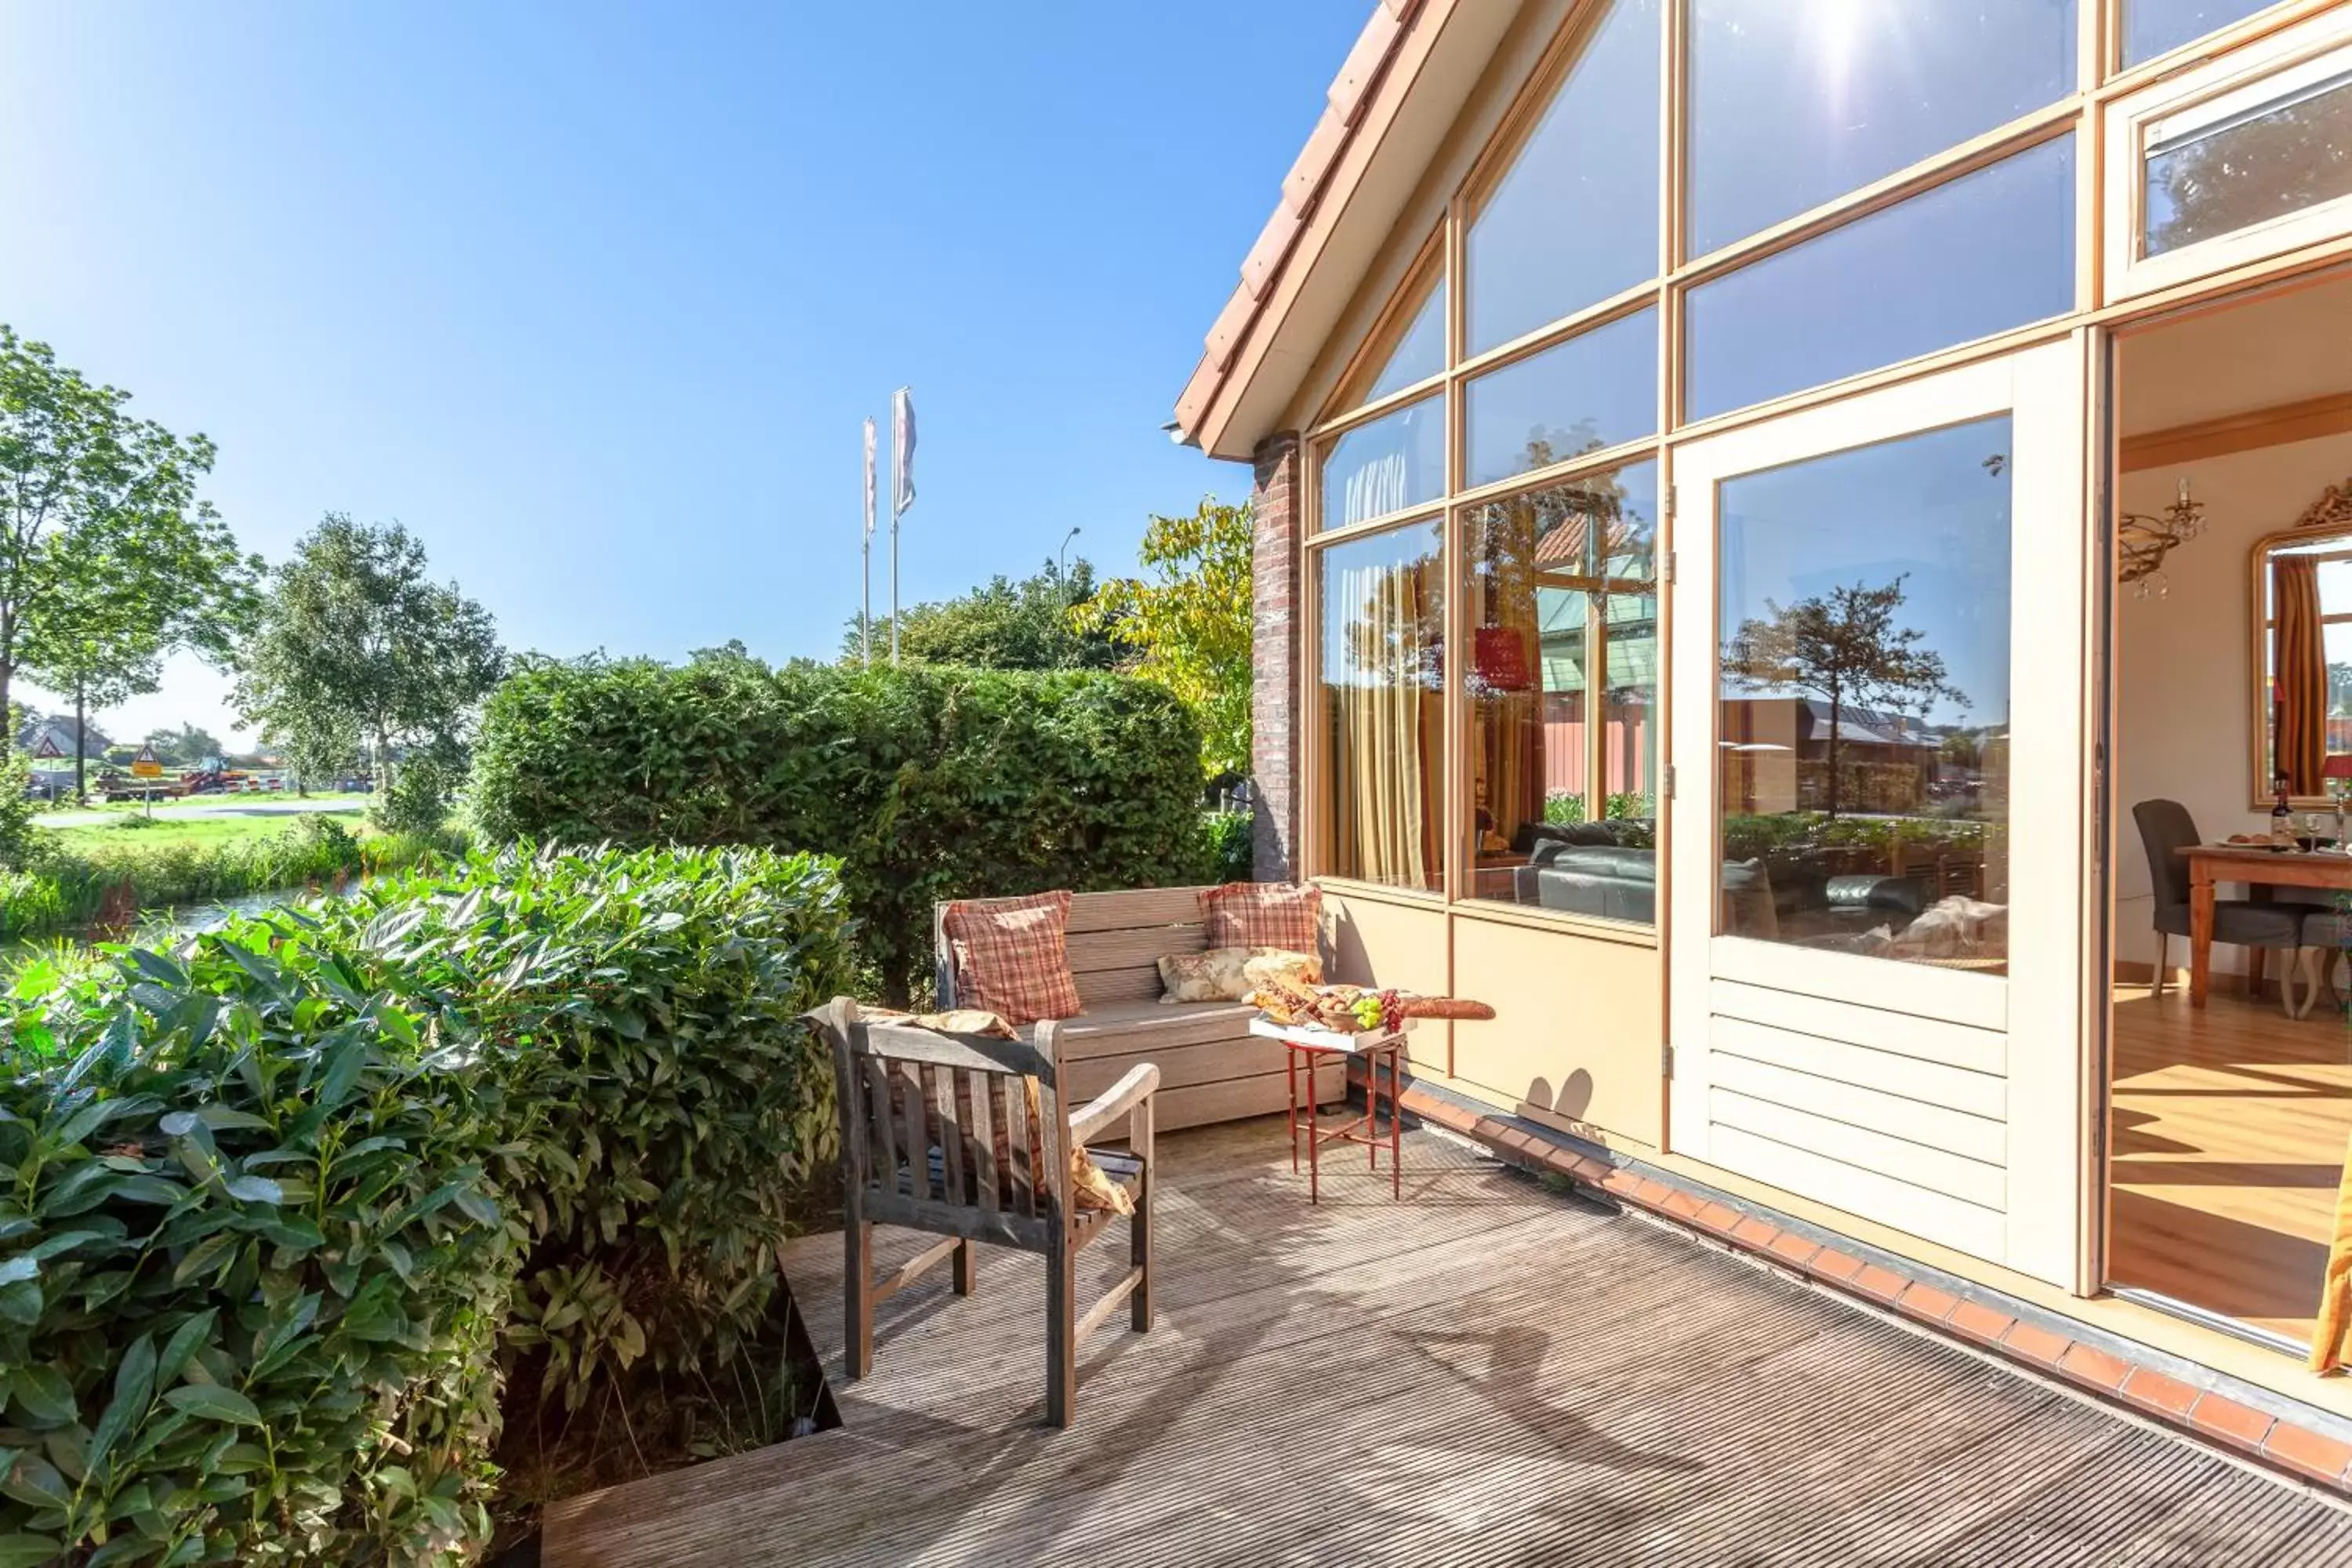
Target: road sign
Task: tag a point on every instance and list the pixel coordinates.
(146, 765)
(47, 746)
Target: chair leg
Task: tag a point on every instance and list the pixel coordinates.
(1138, 1226)
(965, 1267)
(2163, 963)
(858, 1300)
(1061, 1335)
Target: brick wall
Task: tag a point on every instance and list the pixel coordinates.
(1274, 736)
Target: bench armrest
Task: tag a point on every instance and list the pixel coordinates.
(1088, 1122)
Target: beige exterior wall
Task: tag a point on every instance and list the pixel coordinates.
(1577, 1030)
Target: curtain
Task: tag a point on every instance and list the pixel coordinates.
(1387, 719)
(2330, 1336)
(1511, 723)
(2300, 660)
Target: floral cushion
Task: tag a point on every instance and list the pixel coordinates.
(1013, 957)
(1230, 973)
(1286, 915)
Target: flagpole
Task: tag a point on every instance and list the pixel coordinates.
(866, 562)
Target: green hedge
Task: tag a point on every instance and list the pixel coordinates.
(929, 783)
(284, 1212)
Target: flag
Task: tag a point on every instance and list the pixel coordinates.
(902, 451)
(869, 479)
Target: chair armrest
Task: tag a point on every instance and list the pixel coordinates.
(1088, 1122)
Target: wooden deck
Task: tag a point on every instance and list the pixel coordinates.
(1488, 1373)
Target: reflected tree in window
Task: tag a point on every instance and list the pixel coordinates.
(2251, 172)
(1845, 648)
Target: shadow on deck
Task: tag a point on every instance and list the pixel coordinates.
(1487, 1372)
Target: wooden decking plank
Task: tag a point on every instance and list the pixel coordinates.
(1481, 1373)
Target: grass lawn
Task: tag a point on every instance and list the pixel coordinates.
(134, 832)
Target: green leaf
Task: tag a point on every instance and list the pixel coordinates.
(182, 1345)
(214, 1403)
(208, 1254)
(134, 1386)
(46, 1395)
(254, 1190)
(21, 1550)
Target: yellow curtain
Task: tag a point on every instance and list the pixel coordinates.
(1387, 719)
(2300, 660)
(1511, 738)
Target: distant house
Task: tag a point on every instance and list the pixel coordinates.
(54, 737)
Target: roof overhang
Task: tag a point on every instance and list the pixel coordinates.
(1405, 84)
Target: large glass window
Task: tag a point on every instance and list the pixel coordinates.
(2276, 155)
(1386, 466)
(1862, 732)
(2153, 26)
(1575, 220)
(1989, 251)
(1382, 679)
(1598, 389)
(1793, 105)
(1419, 351)
(1563, 690)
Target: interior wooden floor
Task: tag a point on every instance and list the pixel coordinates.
(1486, 1372)
(2229, 1137)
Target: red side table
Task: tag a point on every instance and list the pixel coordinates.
(1303, 1051)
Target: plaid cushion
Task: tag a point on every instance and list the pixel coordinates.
(1286, 915)
(1011, 958)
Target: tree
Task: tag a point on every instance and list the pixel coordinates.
(108, 558)
(1004, 625)
(186, 746)
(2281, 162)
(1844, 646)
(1188, 628)
(355, 642)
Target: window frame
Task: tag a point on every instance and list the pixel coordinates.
(2213, 92)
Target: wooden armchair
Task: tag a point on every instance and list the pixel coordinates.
(941, 1133)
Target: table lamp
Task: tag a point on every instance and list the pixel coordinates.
(2337, 772)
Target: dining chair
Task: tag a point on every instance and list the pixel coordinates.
(2165, 829)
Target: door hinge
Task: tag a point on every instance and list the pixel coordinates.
(1670, 781)
(1666, 1060)
(1672, 565)
(1673, 499)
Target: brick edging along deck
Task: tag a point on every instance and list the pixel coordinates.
(2308, 1444)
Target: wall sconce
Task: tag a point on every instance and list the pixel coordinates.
(2142, 542)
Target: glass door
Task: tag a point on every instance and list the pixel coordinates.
(1879, 869)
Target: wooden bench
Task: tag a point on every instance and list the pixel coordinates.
(1211, 1067)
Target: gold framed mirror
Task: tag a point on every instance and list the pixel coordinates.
(2300, 586)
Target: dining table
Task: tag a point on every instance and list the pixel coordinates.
(2259, 865)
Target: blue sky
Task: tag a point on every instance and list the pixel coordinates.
(593, 297)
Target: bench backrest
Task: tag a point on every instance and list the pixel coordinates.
(939, 1132)
(1115, 942)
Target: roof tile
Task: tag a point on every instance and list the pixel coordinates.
(1305, 181)
(1264, 258)
(1225, 336)
(1352, 86)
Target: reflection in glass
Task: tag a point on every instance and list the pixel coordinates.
(1989, 251)
(1563, 692)
(1598, 389)
(1388, 464)
(2278, 159)
(1575, 220)
(2153, 26)
(1862, 732)
(1420, 353)
(1793, 105)
(1383, 676)
(2302, 707)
